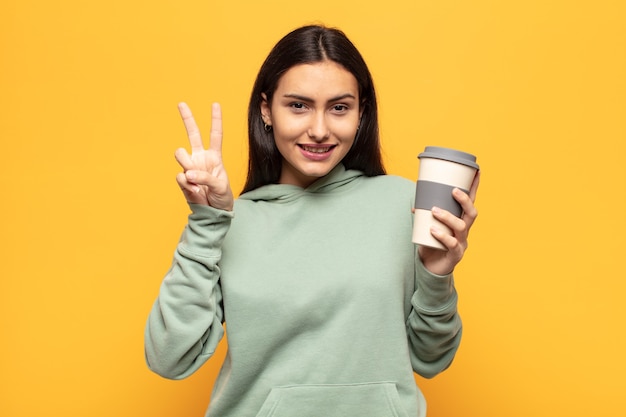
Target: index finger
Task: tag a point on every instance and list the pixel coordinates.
(216, 128)
(193, 133)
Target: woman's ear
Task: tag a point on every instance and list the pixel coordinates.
(266, 111)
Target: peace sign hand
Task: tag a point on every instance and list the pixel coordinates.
(204, 180)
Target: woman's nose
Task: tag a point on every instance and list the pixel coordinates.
(319, 130)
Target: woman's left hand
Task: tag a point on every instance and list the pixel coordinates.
(442, 262)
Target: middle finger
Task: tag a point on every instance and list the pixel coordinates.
(457, 225)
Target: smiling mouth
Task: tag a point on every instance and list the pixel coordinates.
(317, 149)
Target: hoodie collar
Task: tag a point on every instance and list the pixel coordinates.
(337, 177)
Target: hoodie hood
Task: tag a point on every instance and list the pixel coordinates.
(338, 177)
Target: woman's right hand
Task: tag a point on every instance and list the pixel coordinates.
(204, 180)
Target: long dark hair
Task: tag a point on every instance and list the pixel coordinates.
(306, 45)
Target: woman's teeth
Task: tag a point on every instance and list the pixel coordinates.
(316, 149)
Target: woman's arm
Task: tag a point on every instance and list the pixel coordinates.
(185, 323)
(434, 326)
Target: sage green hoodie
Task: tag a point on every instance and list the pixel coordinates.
(328, 308)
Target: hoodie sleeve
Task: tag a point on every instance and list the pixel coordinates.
(185, 323)
(434, 326)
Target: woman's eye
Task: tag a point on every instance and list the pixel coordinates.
(297, 106)
(340, 108)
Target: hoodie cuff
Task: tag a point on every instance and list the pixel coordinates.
(206, 229)
(433, 292)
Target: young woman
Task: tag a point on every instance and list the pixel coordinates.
(329, 306)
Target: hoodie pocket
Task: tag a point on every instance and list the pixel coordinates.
(362, 400)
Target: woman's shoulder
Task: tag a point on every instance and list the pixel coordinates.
(388, 189)
(393, 182)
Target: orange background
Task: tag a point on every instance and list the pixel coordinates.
(91, 212)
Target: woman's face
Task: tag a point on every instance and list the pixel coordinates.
(314, 114)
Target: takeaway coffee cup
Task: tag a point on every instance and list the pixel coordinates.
(440, 171)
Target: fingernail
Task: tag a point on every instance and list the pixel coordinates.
(436, 210)
(190, 175)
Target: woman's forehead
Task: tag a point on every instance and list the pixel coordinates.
(324, 79)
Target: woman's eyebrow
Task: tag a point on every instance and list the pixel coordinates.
(308, 99)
